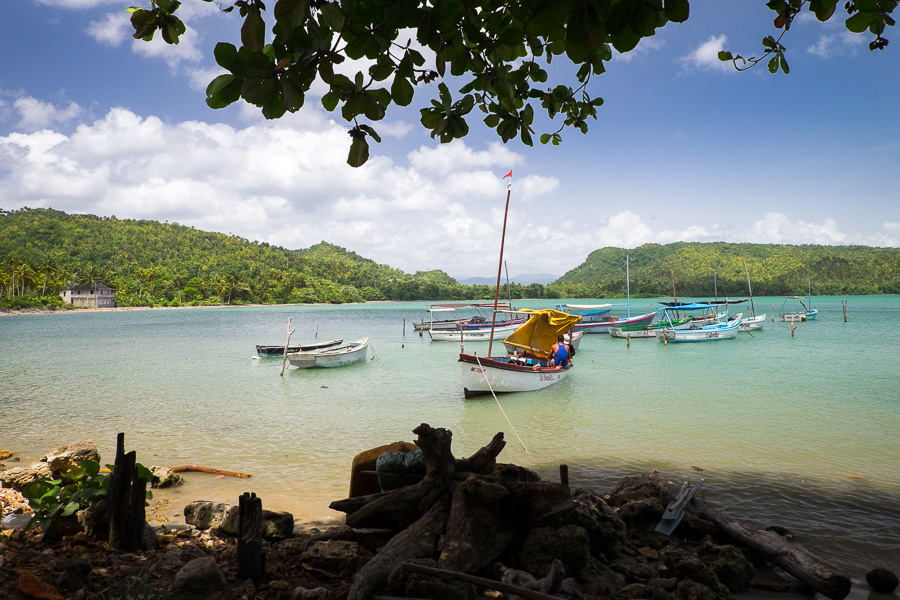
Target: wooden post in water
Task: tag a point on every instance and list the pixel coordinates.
(773, 313)
(564, 474)
(404, 326)
(793, 327)
(844, 307)
(251, 561)
(286, 344)
(127, 495)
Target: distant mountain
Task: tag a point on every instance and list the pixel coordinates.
(524, 279)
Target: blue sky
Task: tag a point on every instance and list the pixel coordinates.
(684, 149)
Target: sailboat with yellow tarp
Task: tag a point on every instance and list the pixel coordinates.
(520, 372)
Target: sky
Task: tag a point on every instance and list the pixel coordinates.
(684, 149)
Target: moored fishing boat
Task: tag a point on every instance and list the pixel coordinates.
(647, 331)
(723, 329)
(501, 374)
(279, 350)
(793, 314)
(445, 310)
(339, 356)
(474, 334)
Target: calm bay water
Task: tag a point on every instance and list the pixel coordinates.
(777, 423)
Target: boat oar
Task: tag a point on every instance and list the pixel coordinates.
(675, 510)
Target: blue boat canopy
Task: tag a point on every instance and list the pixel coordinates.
(693, 306)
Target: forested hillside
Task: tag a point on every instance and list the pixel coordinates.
(151, 263)
(43, 251)
(693, 269)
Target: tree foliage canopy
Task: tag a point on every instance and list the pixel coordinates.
(496, 53)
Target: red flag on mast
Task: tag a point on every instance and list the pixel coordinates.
(508, 174)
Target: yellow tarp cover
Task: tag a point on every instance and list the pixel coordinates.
(541, 330)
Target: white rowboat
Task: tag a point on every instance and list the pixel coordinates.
(342, 356)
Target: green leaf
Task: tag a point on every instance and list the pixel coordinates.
(291, 13)
(402, 91)
(223, 90)
(725, 56)
(333, 16)
(253, 32)
(861, 21)
(773, 64)
(585, 32)
(71, 509)
(249, 64)
(783, 64)
(91, 467)
(371, 133)
(678, 11)
(292, 95)
(330, 101)
(359, 152)
(225, 54)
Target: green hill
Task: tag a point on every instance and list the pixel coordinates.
(42, 251)
(698, 269)
(151, 263)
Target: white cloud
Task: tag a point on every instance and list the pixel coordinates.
(836, 44)
(777, 228)
(34, 114)
(705, 56)
(111, 29)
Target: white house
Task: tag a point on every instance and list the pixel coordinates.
(91, 295)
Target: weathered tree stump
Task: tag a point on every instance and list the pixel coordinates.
(474, 506)
(251, 561)
(127, 499)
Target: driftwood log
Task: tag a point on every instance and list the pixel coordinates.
(782, 551)
(465, 509)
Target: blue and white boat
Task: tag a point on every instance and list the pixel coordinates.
(724, 329)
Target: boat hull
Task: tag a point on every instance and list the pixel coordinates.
(753, 323)
(279, 350)
(481, 334)
(483, 375)
(352, 353)
(710, 333)
(603, 326)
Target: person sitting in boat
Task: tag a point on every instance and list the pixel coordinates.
(559, 353)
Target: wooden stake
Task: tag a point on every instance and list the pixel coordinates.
(251, 561)
(844, 307)
(127, 496)
(564, 474)
(288, 343)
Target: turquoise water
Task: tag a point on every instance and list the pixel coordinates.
(776, 422)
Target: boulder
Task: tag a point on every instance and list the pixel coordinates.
(606, 529)
(224, 518)
(881, 580)
(570, 544)
(729, 564)
(63, 459)
(18, 477)
(686, 566)
(337, 559)
(200, 576)
(164, 477)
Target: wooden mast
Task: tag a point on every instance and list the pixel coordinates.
(750, 291)
(500, 266)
